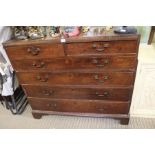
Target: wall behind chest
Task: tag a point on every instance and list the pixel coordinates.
(143, 101)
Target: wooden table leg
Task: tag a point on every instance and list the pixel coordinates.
(36, 115)
(151, 35)
(125, 121)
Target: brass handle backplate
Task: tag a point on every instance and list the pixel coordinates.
(106, 61)
(53, 105)
(100, 63)
(48, 93)
(95, 61)
(96, 77)
(104, 45)
(106, 77)
(104, 94)
(33, 50)
(42, 79)
(100, 49)
(39, 64)
(94, 45)
(101, 110)
(101, 80)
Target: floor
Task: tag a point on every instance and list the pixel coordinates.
(7, 120)
(26, 121)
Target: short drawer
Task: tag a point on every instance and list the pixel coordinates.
(80, 106)
(101, 47)
(91, 62)
(118, 94)
(35, 51)
(78, 78)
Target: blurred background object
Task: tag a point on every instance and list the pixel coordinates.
(151, 35)
(34, 32)
(11, 93)
(56, 31)
(125, 29)
(20, 32)
(71, 31)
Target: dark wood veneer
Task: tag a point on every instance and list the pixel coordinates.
(62, 92)
(88, 75)
(68, 78)
(86, 106)
(84, 62)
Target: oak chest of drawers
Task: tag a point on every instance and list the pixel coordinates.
(88, 75)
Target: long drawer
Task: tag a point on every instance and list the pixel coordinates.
(81, 106)
(35, 51)
(77, 78)
(85, 62)
(118, 94)
(101, 47)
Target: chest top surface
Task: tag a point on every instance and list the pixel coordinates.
(83, 37)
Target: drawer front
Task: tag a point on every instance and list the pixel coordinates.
(118, 94)
(101, 47)
(35, 51)
(86, 106)
(98, 78)
(99, 62)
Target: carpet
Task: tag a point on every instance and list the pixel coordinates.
(26, 121)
